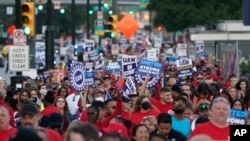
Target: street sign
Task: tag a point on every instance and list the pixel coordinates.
(19, 37)
(19, 58)
(99, 27)
(100, 15)
(57, 5)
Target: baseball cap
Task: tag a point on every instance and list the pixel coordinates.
(204, 106)
(116, 127)
(34, 100)
(177, 88)
(112, 88)
(29, 109)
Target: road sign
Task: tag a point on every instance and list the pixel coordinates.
(19, 58)
(100, 15)
(99, 27)
(19, 37)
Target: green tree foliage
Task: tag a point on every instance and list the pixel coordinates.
(179, 14)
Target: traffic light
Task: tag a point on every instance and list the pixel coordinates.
(113, 21)
(28, 18)
(159, 28)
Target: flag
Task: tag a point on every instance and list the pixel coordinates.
(107, 96)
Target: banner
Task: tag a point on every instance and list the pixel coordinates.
(89, 79)
(237, 117)
(152, 68)
(129, 63)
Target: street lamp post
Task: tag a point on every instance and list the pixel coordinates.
(49, 38)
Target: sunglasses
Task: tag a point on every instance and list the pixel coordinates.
(91, 113)
(204, 106)
(199, 78)
(112, 107)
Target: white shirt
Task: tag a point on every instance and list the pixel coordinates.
(72, 101)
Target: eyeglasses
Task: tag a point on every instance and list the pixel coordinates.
(179, 103)
(169, 85)
(113, 107)
(199, 78)
(91, 113)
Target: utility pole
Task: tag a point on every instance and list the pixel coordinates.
(73, 33)
(18, 22)
(49, 38)
(114, 7)
(88, 8)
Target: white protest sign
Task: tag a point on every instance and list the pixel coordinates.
(153, 54)
(157, 42)
(199, 46)
(19, 58)
(181, 50)
(129, 63)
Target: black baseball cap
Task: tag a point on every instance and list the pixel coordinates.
(29, 109)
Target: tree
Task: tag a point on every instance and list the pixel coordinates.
(179, 14)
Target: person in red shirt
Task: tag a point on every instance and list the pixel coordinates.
(6, 130)
(49, 107)
(165, 103)
(93, 114)
(217, 128)
(30, 118)
(143, 108)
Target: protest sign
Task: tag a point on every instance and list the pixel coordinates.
(88, 66)
(237, 117)
(113, 67)
(77, 77)
(141, 79)
(129, 63)
(98, 65)
(184, 68)
(152, 68)
(171, 61)
(89, 79)
(181, 50)
(153, 54)
(200, 49)
(129, 87)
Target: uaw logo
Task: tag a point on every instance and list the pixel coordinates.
(141, 78)
(77, 77)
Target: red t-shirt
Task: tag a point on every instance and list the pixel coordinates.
(163, 108)
(5, 135)
(49, 110)
(215, 133)
(53, 135)
(126, 115)
(137, 117)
